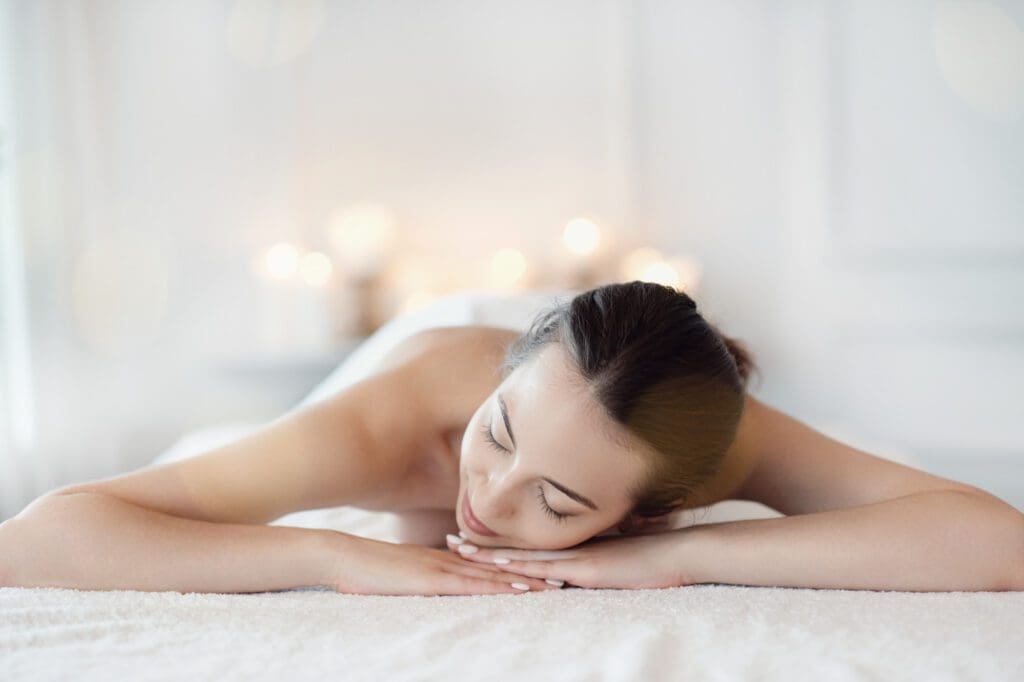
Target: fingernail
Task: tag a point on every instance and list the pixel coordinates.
(501, 560)
(467, 549)
(521, 586)
(462, 534)
(455, 539)
(552, 581)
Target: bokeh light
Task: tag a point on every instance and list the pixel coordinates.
(646, 264)
(507, 268)
(661, 272)
(581, 236)
(979, 49)
(636, 262)
(315, 269)
(281, 260)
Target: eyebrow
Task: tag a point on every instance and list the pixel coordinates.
(586, 501)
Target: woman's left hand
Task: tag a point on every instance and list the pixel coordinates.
(650, 560)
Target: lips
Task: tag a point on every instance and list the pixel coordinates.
(475, 524)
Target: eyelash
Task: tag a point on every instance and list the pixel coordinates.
(557, 516)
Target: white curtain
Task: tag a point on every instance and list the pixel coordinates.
(33, 203)
(17, 413)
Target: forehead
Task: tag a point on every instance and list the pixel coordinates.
(557, 421)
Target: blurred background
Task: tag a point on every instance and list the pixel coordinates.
(205, 205)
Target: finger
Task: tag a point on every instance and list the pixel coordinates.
(507, 577)
(487, 555)
(464, 584)
(453, 562)
(557, 571)
(553, 573)
(454, 583)
(497, 573)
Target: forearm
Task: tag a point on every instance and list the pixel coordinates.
(934, 541)
(97, 542)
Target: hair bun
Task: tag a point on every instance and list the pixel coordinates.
(745, 365)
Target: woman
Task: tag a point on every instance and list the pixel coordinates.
(612, 411)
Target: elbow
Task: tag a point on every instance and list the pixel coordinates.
(995, 534)
(1015, 581)
(1007, 536)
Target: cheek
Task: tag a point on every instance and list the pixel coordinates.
(469, 458)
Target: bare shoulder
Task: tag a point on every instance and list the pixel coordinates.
(454, 368)
(453, 343)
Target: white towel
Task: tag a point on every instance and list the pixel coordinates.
(703, 632)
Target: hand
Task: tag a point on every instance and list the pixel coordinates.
(366, 566)
(649, 560)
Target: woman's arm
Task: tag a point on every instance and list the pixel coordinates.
(946, 540)
(93, 541)
(854, 520)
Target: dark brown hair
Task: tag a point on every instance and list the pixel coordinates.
(658, 368)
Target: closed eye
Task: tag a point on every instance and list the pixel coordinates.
(490, 438)
(558, 516)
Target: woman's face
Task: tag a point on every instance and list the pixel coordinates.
(553, 477)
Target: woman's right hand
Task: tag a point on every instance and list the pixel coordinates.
(367, 566)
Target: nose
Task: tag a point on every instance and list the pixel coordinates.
(495, 495)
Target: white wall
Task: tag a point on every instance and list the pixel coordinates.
(851, 173)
